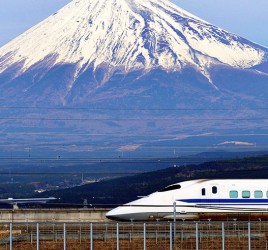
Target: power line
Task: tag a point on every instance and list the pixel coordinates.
(159, 171)
(121, 160)
(59, 133)
(72, 173)
(133, 119)
(133, 109)
(100, 160)
(140, 145)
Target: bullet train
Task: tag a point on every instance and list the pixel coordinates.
(199, 199)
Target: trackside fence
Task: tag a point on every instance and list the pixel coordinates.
(181, 235)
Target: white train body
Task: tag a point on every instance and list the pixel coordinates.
(198, 197)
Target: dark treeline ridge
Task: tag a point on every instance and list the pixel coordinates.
(121, 190)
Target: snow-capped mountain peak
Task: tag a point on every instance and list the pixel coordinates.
(128, 35)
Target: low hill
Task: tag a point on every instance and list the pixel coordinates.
(125, 189)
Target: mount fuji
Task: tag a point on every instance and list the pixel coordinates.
(125, 75)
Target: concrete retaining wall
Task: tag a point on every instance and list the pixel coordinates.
(53, 215)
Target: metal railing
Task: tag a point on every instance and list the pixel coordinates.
(203, 235)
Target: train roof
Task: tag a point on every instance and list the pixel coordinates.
(214, 181)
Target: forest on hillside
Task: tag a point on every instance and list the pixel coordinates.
(121, 190)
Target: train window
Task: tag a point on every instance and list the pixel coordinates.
(214, 190)
(171, 187)
(245, 194)
(233, 194)
(203, 191)
(258, 194)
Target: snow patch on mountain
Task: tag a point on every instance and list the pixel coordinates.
(239, 143)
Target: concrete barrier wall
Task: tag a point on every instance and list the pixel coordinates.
(53, 215)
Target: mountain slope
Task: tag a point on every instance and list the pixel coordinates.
(120, 75)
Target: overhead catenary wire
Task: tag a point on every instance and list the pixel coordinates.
(145, 134)
(140, 144)
(134, 119)
(126, 173)
(131, 108)
(170, 162)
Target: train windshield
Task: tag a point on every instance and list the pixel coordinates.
(171, 187)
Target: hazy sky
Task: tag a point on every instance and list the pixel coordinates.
(247, 18)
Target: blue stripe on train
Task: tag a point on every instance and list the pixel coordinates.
(244, 201)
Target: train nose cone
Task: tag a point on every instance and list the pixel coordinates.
(110, 217)
(119, 213)
(112, 214)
